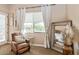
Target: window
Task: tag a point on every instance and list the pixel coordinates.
(38, 22)
(33, 22)
(2, 27)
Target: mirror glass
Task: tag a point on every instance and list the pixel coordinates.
(59, 37)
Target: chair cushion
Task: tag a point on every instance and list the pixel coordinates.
(23, 50)
(22, 45)
(19, 39)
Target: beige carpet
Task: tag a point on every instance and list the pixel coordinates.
(6, 50)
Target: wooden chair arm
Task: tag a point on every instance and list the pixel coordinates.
(27, 41)
(13, 42)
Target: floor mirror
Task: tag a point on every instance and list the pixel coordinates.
(57, 34)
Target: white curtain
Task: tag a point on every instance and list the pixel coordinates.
(47, 17)
(20, 15)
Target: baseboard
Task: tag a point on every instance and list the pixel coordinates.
(2, 43)
(9, 42)
(41, 45)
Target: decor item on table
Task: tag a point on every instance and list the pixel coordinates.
(69, 35)
(68, 40)
(18, 44)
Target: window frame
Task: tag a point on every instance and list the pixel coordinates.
(6, 27)
(34, 23)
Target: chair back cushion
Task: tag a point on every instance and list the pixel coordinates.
(19, 39)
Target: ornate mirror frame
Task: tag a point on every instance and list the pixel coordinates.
(53, 25)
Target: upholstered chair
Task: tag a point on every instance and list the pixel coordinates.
(18, 44)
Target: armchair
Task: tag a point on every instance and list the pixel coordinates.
(18, 45)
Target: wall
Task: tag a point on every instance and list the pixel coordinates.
(73, 14)
(4, 8)
(58, 14)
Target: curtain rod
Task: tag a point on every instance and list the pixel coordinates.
(38, 6)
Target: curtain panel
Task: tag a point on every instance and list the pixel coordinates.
(47, 17)
(20, 17)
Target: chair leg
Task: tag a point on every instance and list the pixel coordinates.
(11, 49)
(16, 53)
(29, 49)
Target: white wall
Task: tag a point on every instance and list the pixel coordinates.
(73, 14)
(58, 12)
(4, 8)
